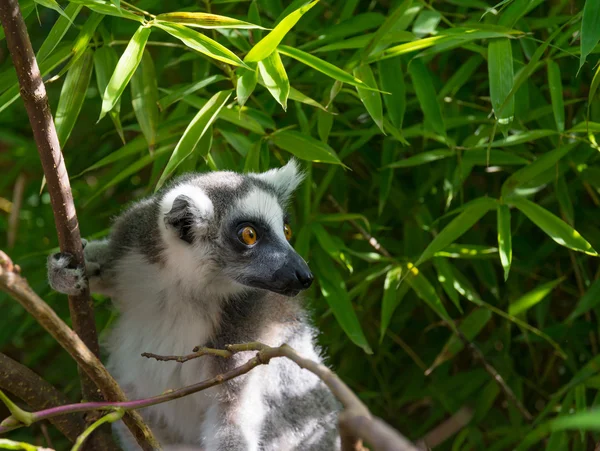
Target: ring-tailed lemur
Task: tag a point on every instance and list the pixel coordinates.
(207, 261)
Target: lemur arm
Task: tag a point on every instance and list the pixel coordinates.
(65, 277)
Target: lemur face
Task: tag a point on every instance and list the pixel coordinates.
(239, 224)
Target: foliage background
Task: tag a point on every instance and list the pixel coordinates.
(446, 66)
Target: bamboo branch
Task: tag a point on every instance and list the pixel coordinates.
(33, 93)
(17, 287)
(38, 394)
(475, 351)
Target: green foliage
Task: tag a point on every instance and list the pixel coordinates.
(412, 120)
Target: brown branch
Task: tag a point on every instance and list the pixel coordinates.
(13, 219)
(17, 287)
(475, 351)
(355, 422)
(33, 93)
(38, 394)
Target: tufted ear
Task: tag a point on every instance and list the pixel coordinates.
(187, 213)
(285, 180)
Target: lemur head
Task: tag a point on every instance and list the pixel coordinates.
(236, 226)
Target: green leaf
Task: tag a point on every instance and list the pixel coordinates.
(457, 227)
(471, 326)
(553, 226)
(105, 62)
(532, 298)
(446, 280)
(423, 85)
(58, 31)
(422, 158)
(519, 138)
(335, 293)
(564, 199)
(371, 99)
(588, 420)
(126, 66)
(304, 147)
(324, 124)
(493, 157)
(392, 297)
(239, 118)
(184, 91)
(543, 163)
(269, 43)
(504, 238)
(590, 29)
(556, 94)
(300, 97)
(391, 79)
(275, 78)
(194, 132)
(109, 9)
(72, 95)
(144, 98)
(589, 301)
(205, 20)
(468, 251)
(501, 76)
(251, 164)
(423, 288)
(246, 83)
(385, 28)
(201, 43)
(321, 65)
(52, 4)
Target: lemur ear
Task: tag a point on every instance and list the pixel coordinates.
(285, 180)
(186, 216)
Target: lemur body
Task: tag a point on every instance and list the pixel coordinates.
(179, 269)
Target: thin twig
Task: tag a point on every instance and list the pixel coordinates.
(475, 352)
(33, 93)
(17, 287)
(13, 219)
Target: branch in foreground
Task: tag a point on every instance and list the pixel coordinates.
(18, 288)
(475, 351)
(356, 422)
(38, 394)
(33, 93)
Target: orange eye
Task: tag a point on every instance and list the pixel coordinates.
(247, 236)
(287, 231)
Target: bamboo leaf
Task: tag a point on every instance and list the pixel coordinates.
(391, 79)
(324, 124)
(543, 163)
(109, 9)
(422, 158)
(105, 62)
(590, 29)
(423, 288)
(205, 20)
(392, 297)
(58, 31)
(553, 226)
(457, 227)
(246, 83)
(269, 43)
(251, 163)
(275, 78)
(184, 91)
(335, 293)
(446, 280)
(125, 68)
(72, 96)
(504, 238)
(321, 65)
(201, 43)
(556, 94)
(501, 76)
(144, 98)
(426, 94)
(589, 301)
(305, 147)
(532, 298)
(194, 132)
(371, 99)
(52, 4)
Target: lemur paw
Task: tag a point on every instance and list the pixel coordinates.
(64, 276)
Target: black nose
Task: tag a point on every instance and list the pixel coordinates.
(305, 278)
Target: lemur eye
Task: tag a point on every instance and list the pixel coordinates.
(287, 231)
(247, 235)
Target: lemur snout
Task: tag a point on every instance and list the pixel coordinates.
(305, 278)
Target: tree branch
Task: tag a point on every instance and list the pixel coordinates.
(18, 288)
(33, 93)
(38, 394)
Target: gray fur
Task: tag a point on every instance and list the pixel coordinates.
(180, 278)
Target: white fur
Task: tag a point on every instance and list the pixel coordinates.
(259, 204)
(285, 179)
